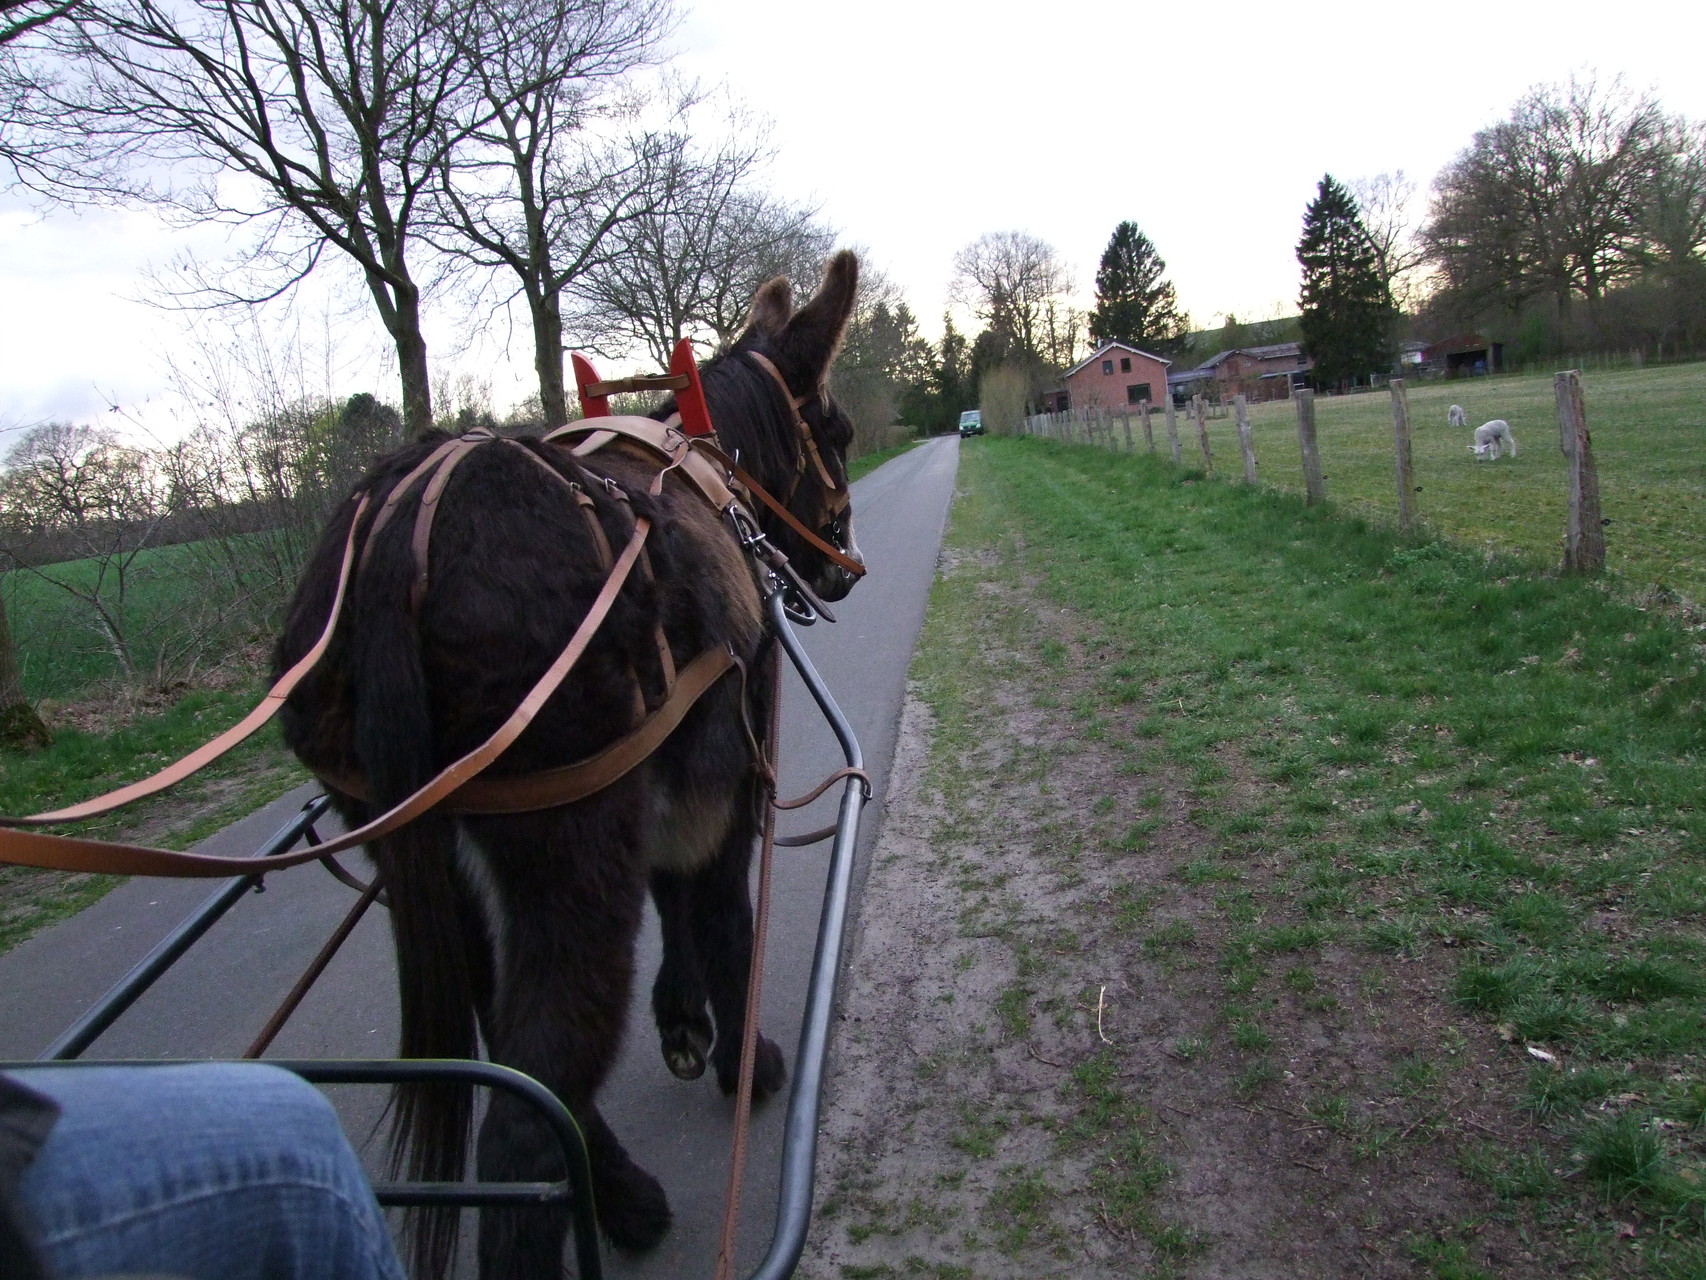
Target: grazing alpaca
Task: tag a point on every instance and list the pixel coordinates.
(1455, 416)
(1489, 436)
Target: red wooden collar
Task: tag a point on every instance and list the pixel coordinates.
(682, 379)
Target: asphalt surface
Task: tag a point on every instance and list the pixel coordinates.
(213, 1001)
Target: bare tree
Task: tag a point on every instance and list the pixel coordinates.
(21, 150)
(1388, 205)
(1673, 229)
(75, 493)
(20, 17)
(1550, 201)
(1009, 279)
(20, 727)
(688, 265)
(528, 191)
(313, 123)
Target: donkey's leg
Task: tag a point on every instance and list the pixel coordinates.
(678, 995)
(572, 895)
(722, 931)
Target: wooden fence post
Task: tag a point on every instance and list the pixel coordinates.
(1148, 431)
(1401, 451)
(1173, 430)
(1202, 435)
(1314, 486)
(1584, 541)
(1125, 421)
(1241, 408)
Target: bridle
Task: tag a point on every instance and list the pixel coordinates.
(836, 499)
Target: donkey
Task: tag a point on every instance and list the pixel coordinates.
(520, 928)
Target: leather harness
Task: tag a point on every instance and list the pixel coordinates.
(459, 788)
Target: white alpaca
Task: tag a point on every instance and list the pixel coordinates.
(1489, 436)
(1455, 416)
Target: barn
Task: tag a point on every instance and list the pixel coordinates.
(1115, 374)
(1464, 355)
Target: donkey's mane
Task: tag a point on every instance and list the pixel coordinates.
(748, 413)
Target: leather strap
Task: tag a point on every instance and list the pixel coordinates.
(571, 782)
(654, 382)
(399, 491)
(69, 853)
(421, 543)
(754, 990)
(800, 802)
(763, 495)
(795, 404)
(267, 708)
(668, 442)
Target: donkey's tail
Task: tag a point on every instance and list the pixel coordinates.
(394, 745)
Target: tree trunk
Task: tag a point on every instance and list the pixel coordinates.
(21, 729)
(400, 309)
(412, 368)
(548, 362)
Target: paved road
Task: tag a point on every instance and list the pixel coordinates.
(211, 1003)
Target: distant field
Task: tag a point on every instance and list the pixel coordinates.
(171, 593)
(1649, 439)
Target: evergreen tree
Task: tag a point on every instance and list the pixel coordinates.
(953, 370)
(1347, 310)
(1135, 304)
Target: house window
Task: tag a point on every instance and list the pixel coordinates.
(1125, 364)
(1137, 393)
(1107, 366)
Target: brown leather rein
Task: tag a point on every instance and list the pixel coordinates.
(458, 788)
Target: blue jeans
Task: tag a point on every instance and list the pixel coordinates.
(209, 1172)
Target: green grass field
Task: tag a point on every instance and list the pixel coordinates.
(1649, 440)
(1456, 764)
(175, 597)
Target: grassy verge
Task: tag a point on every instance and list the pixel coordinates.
(80, 765)
(1649, 426)
(1433, 803)
(866, 463)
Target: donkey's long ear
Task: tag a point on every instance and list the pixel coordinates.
(772, 306)
(807, 347)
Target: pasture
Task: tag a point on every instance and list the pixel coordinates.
(1649, 440)
(183, 609)
(1277, 896)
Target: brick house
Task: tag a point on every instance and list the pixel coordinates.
(1259, 373)
(1113, 375)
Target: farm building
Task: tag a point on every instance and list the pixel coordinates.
(1113, 375)
(1257, 373)
(1464, 355)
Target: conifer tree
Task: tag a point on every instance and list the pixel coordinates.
(1346, 308)
(1135, 303)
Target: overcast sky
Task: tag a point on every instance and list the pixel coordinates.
(918, 125)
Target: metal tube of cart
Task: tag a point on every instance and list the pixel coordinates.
(799, 1145)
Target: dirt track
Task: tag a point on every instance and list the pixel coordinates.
(1048, 1064)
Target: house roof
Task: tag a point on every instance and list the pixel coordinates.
(1183, 376)
(1275, 350)
(1102, 350)
(1272, 351)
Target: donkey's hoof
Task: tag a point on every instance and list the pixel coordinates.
(684, 1051)
(769, 1071)
(632, 1209)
